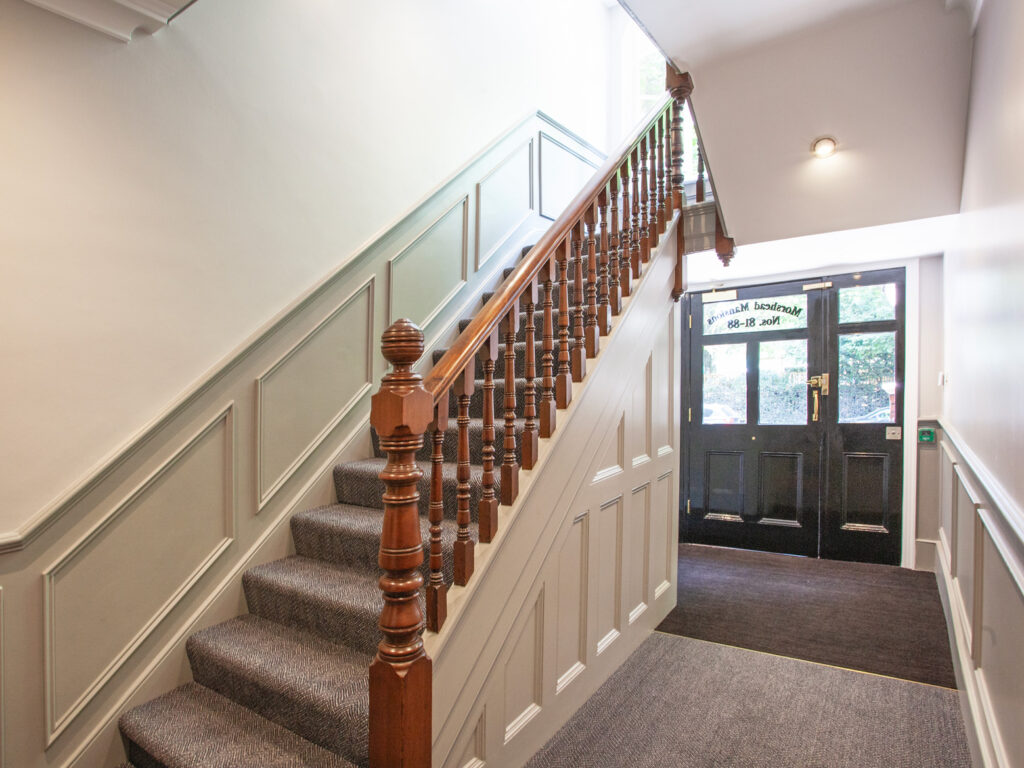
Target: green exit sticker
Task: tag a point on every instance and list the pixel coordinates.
(926, 435)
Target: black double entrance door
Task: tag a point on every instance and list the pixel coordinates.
(794, 417)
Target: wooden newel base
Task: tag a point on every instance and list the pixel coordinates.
(400, 713)
(563, 390)
(528, 449)
(546, 412)
(437, 606)
(463, 562)
(487, 514)
(509, 483)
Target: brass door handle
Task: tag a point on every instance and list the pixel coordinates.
(819, 387)
(817, 404)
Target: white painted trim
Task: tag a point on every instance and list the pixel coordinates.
(911, 406)
(117, 18)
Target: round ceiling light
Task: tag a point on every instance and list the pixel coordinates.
(824, 146)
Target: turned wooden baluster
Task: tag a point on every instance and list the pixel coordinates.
(652, 192)
(637, 235)
(592, 334)
(509, 465)
(528, 451)
(645, 202)
(488, 507)
(700, 177)
(548, 409)
(401, 674)
(579, 350)
(663, 210)
(626, 236)
(437, 590)
(604, 312)
(463, 543)
(680, 87)
(670, 198)
(563, 379)
(614, 287)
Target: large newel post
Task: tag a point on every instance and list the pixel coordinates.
(400, 675)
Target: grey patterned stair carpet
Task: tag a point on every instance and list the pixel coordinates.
(286, 685)
(683, 702)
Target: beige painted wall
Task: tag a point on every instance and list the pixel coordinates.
(890, 82)
(163, 200)
(984, 279)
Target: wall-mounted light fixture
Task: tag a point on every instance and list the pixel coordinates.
(824, 146)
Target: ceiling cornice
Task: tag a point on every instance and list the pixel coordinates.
(117, 18)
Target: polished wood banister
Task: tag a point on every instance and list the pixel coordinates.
(447, 369)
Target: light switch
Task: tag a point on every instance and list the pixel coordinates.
(894, 433)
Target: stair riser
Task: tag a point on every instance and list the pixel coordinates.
(354, 626)
(360, 549)
(364, 491)
(341, 734)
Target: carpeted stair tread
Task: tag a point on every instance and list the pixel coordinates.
(311, 686)
(193, 726)
(337, 603)
(347, 535)
(359, 483)
(499, 363)
(476, 400)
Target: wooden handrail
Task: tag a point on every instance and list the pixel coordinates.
(481, 327)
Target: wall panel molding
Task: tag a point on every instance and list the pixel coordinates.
(437, 296)
(60, 713)
(493, 231)
(562, 173)
(269, 481)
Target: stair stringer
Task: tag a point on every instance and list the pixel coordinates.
(584, 566)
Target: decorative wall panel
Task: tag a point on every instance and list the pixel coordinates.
(524, 673)
(609, 574)
(504, 200)
(638, 536)
(563, 172)
(98, 606)
(571, 639)
(307, 392)
(428, 272)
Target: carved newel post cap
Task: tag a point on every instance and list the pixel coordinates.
(402, 406)
(402, 344)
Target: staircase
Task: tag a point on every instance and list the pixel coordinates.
(286, 684)
(290, 683)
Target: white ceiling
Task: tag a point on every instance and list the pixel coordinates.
(888, 78)
(697, 31)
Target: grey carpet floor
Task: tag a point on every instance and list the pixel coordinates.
(875, 618)
(678, 701)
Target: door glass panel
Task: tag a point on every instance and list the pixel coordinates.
(778, 313)
(782, 382)
(725, 384)
(864, 303)
(867, 377)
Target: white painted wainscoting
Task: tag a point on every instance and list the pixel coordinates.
(585, 563)
(100, 592)
(978, 542)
